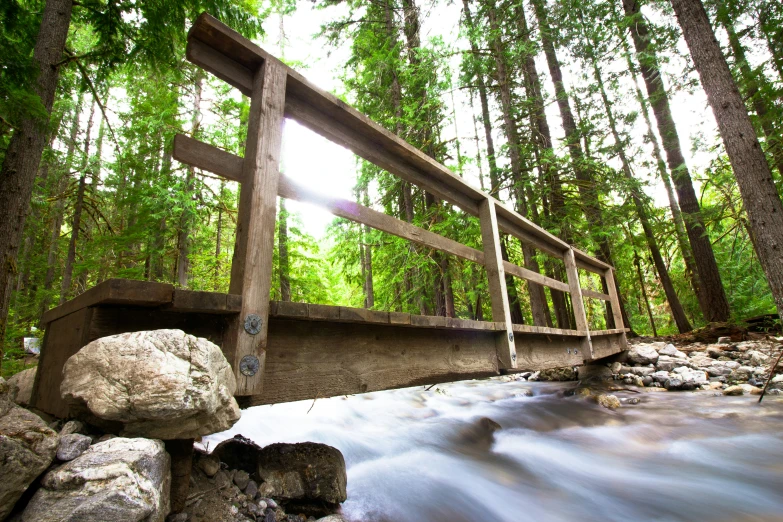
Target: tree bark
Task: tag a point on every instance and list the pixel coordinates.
(750, 88)
(638, 266)
(674, 206)
(761, 199)
(712, 297)
(20, 165)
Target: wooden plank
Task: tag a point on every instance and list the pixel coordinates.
(428, 321)
(206, 302)
(577, 301)
(595, 295)
(217, 63)
(544, 330)
(64, 337)
(118, 291)
(362, 315)
(206, 157)
(251, 270)
(501, 312)
(589, 263)
(614, 300)
(308, 360)
(291, 309)
(323, 312)
(615, 331)
(539, 236)
(529, 275)
(606, 345)
(540, 352)
(399, 318)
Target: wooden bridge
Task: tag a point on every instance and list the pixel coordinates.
(284, 351)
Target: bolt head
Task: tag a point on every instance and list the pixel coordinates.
(252, 324)
(249, 365)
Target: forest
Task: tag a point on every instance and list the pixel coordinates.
(567, 110)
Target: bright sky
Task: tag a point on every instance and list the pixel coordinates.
(315, 162)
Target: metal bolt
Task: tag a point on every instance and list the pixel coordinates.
(568, 351)
(511, 337)
(252, 324)
(249, 365)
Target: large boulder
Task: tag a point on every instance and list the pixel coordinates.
(643, 354)
(304, 471)
(27, 448)
(119, 479)
(162, 384)
(21, 385)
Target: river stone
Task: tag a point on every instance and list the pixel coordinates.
(21, 385)
(660, 376)
(27, 447)
(119, 480)
(162, 384)
(608, 401)
(757, 358)
(209, 464)
(718, 370)
(701, 360)
(72, 445)
(642, 370)
(72, 426)
(643, 354)
(734, 390)
(672, 351)
(304, 471)
(740, 374)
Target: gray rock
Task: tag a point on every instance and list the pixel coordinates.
(21, 385)
(251, 490)
(732, 365)
(724, 340)
(241, 478)
(739, 375)
(331, 518)
(73, 426)
(642, 370)
(672, 351)
(307, 471)
(734, 390)
(160, 384)
(714, 352)
(717, 371)
(674, 383)
(700, 360)
(660, 376)
(757, 358)
(209, 464)
(117, 480)
(72, 445)
(594, 372)
(178, 517)
(667, 363)
(643, 354)
(647, 381)
(27, 447)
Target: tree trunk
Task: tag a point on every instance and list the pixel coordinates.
(20, 165)
(761, 199)
(683, 325)
(750, 88)
(638, 266)
(282, 246)
(76, 222)
(712, 297)
(183, 241)
(159, 239)
(674, 206)
(586, 186)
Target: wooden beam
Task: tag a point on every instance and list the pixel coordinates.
(204, 156)
(614, 299)
(577, 302)
(217, 63)
(595, 295)
(501, 312)
(535, 277)
(251, 269)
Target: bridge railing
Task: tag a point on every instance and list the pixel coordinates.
(276, 92)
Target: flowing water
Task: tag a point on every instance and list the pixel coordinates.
(415, 455)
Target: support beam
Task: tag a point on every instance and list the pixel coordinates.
(251, 270)
(614, 299)
(577, 302)
(501, 312)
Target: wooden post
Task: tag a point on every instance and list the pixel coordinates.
(251, 269)
(577, 302)
(614, 299)
(493, 262)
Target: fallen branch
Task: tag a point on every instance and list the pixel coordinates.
(771, 375)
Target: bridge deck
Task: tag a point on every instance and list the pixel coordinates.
(313, 350)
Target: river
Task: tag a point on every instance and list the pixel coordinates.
(429, 456)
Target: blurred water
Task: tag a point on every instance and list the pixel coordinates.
(416, 455)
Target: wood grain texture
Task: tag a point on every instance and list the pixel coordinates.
(251, 270)
(309, 360)
(207, 302)
(501, 312)
(64, 337)
(115, 291)
(577, 301)
(595, 295)
(204, 156)
(539, 352)
(614, 299)
(609, 344)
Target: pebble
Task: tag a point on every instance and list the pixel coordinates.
(733, 390)
(178, 517)
(241, 479)
(608, 401)
(251, 490)
(72, 445)
(72, 426)
(209, 464)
